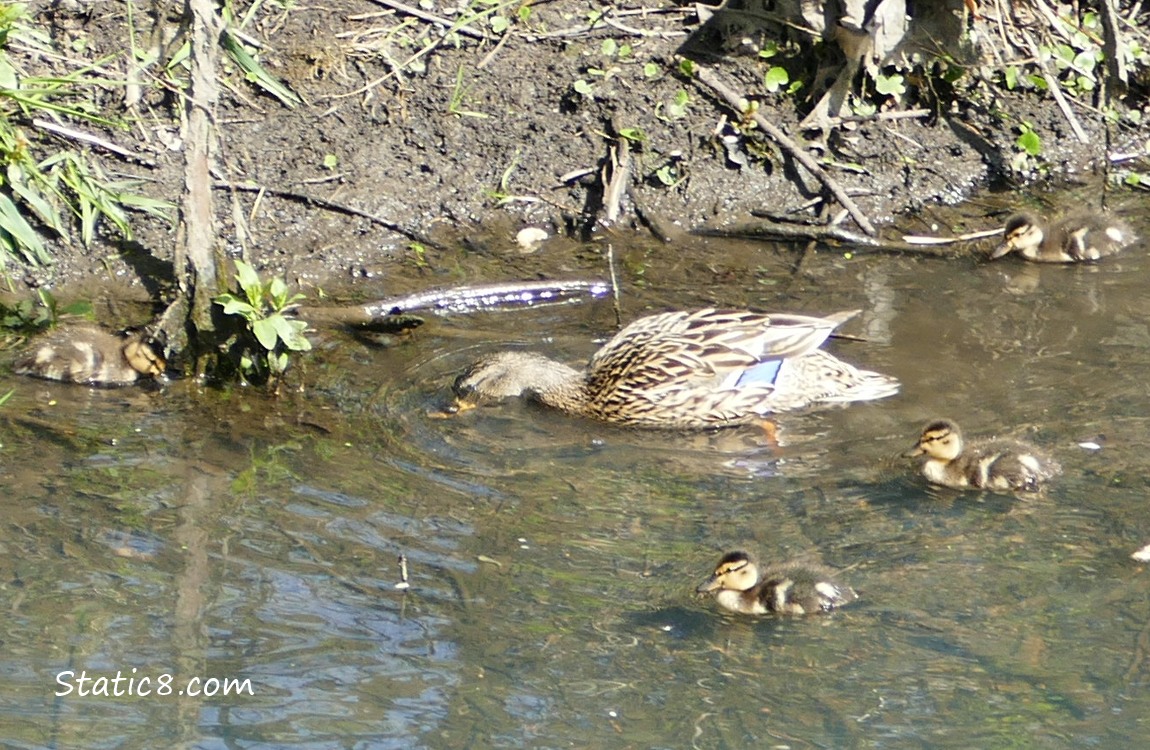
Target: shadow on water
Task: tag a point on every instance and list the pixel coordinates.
(552, 561)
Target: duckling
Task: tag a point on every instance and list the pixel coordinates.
(1080, 236)
(791, 588)
(85, 353)
(983, 464)
(688, 369)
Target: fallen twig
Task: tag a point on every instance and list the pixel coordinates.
(431, 17)
(616, 179)
(918, 239)
(1055, 90)
(800, 155)
(92, 140)
(458, 26)
(616, 13)
(330, 205)
(640, 32)
(937, 247)
(494, 51)
(901, 114)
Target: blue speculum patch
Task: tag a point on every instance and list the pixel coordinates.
(764, 373)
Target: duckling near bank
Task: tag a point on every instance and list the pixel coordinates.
(1080, 236)
(87, 354)
(984, 464)
(792, 588)
(695, 370)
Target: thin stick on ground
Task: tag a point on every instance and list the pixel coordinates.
(711, 79)
(79, 135)
(616, 180)
(311, 200)
(1055, 89)
(462, 29)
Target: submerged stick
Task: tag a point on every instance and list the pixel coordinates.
(615, 296)
(464, 299)
(936, 247)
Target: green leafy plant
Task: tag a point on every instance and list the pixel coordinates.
(263, 307)
(634, 135)
(1030, 149)
(28, 317)
(776, 77)
(1139, 180)
(49, 191)
(677, 109)
(1028, 140)
(892, 85)
(670, 175)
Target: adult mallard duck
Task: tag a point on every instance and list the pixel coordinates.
(700, 369)
(792, 588)
(1080, 236)
(86, 353)
(984, 464)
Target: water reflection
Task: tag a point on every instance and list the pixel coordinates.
(553, 559)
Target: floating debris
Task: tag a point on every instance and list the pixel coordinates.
(403, 584)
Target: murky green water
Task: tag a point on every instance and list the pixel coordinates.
(221, 535)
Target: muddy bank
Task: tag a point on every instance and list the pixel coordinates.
(463, 143)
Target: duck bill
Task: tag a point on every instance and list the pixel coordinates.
(915, 451)
(1003, 249)
(708, 585)
(461, 405)
(158, 366)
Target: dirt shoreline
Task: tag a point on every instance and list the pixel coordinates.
(491, 137)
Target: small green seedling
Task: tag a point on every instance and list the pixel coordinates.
(263, 308)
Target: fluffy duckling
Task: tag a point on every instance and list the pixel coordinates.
(1081, 236)
(85, 353)
(792, 588)
(983, 464)
(690, 369)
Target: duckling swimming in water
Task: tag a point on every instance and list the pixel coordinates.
(696, 369)
(85, 353)
(791, 588)
(984, 464)
(1080, 236)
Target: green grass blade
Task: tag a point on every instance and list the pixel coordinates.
(27, 242)
(256, 73)
(43, 209)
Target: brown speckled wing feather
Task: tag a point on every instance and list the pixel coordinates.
(675, 365)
